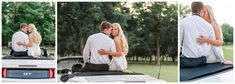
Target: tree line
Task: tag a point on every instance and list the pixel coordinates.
(41, 14)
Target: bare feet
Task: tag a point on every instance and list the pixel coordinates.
(227, 62)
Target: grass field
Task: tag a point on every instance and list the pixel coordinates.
(228, 52)
(169, 70)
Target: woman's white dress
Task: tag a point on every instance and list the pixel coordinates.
(34, 50)
(216, 55)
(118, 63)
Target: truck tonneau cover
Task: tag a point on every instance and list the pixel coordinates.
(187, 74)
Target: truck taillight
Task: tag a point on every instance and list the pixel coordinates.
(52, 73)
(4, 72)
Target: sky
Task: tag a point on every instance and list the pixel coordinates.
(223, 10)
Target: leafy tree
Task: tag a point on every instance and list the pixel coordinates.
(42, 14)
(227, 33)
(84, 19)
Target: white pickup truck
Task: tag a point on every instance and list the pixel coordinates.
(28, 68)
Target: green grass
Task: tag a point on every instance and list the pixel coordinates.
(228, 52)
(169, 71)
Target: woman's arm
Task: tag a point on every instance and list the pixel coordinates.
(218, 36)
(118, 52)
(30, 44)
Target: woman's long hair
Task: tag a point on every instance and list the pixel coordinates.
(212, 17)
(36, 34)
(210, 12)
(125, 46)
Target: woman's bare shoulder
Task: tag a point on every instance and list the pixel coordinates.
(31, 35)
(117, 39)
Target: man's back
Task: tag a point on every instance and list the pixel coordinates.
(96, 42)
(191, 28)
(19, 37)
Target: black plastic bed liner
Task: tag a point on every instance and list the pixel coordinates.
(187, 74)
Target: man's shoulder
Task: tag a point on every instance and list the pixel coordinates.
(17, 33)
(186, 19)
(93, 35)
(20, 33)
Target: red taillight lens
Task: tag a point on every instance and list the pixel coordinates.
(52, 73)
(4, 72)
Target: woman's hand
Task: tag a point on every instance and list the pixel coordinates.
(20, 44)
(202, 40)
(102, 52)
(227, 62)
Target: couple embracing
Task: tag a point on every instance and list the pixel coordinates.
(100, 46)
(26, 42)
(200, 38)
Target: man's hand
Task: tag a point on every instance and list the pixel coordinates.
(102, 52)
(20, 44)
(202, 40)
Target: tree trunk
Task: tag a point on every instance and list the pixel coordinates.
(158, 51)
(173, 58)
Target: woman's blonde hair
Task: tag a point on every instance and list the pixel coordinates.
(125, 46)
(212, 17)
(36, 34)
(210, 11)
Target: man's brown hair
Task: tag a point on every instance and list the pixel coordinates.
(23, 25)
(197, 6)
(105, 25)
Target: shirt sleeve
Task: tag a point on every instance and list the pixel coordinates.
(86, 51)
(26, 40)
(113, 47)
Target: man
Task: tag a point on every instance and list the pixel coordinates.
(20, 36)
(96, 42)
(192, 53)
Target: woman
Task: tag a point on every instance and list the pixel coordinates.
(118, 62)
(217, 52)
(34, 41)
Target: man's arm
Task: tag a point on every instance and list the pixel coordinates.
(181, 32)
(12, 42)
(27, 41)
(219, 54)
(86, 51)
(113, 47)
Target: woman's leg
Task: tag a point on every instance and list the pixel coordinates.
(212, 58)
(118, 64)
(219, 54)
